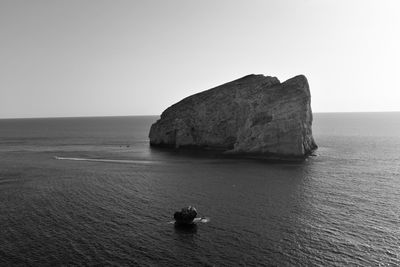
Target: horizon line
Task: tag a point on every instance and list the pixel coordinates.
(102, 116)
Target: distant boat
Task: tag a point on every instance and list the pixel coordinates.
(201, 220)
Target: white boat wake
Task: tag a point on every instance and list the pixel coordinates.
(110, 160)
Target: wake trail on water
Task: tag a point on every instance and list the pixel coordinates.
(126, 161)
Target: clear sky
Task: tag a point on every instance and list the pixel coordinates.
(95, 58)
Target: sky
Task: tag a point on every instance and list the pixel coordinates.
(115, 58)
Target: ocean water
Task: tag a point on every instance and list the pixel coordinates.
(90, 191)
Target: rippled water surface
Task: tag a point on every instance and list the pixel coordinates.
(88, 191)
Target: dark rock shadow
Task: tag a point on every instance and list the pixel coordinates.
(185, 229)
(218, 154)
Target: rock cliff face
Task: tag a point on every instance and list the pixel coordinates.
(253, 116)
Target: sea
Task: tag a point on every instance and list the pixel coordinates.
(91, 192)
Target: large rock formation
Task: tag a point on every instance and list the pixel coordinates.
(253, 116)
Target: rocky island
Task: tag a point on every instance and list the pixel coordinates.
(186, 216)
(254, 116)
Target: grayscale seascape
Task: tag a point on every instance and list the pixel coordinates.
(199, 133)
(90, 191)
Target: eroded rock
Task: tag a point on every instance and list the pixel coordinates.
(254, 116)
